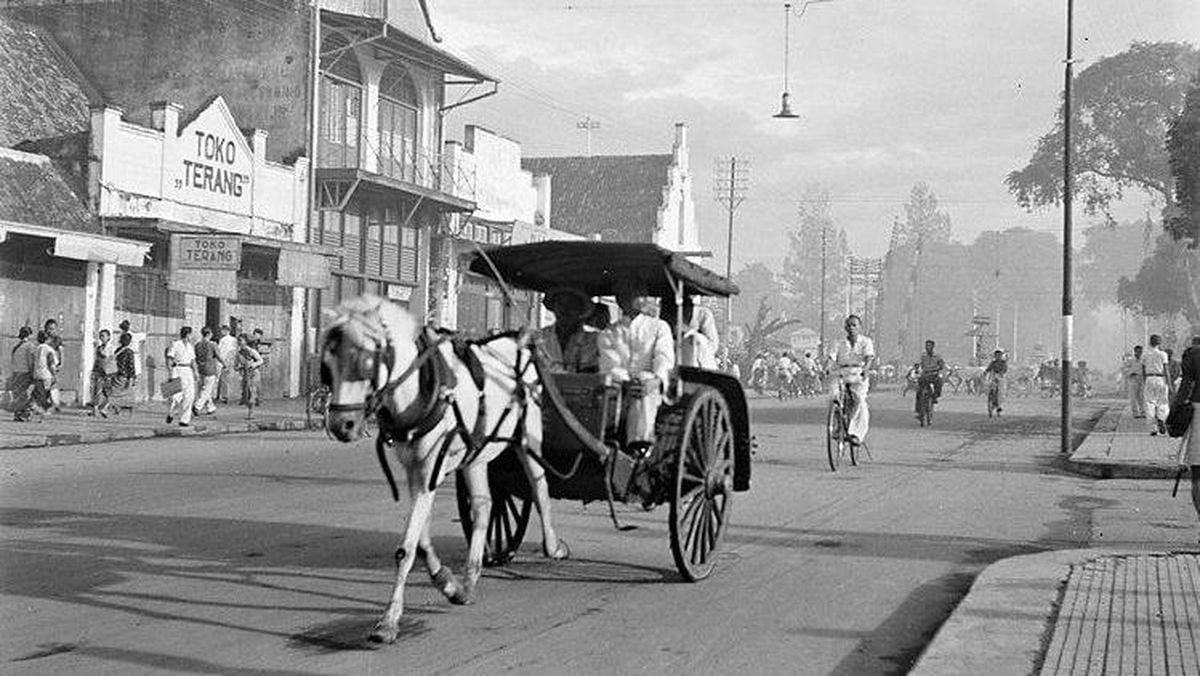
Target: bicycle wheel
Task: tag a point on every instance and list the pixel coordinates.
(834, 437)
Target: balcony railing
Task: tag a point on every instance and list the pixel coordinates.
(436, 171)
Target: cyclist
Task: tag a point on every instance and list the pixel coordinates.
(996, 372)
(851, 359)
(930, 368)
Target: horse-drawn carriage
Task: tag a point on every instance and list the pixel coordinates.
(701, 452)
(518, 433)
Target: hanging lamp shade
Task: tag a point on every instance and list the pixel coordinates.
(785, 109)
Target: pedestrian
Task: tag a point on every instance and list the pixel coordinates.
(124, 381)
(249, 362)
(208, 366)
(1157, 391)
(1189, 448)
(1135, 383)
(54, 340)
(44, 367)
(24, 355)
(103, 368)
(181, 359)
(227, 348)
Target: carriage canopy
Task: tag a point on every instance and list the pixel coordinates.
(598, 267)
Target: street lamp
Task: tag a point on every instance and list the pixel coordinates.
(785, 106)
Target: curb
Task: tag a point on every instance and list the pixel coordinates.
(1004, 623)
(1101, 438)
(202, 430)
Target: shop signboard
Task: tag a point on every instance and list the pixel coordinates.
(212, 165)
(207, 252)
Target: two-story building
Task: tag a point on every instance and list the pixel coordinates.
(380, 188)
(512, 207)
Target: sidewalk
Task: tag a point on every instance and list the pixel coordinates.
(1120, 447)
(1082, 611)
(75, 426)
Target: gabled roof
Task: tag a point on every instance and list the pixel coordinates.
(41, 92)
(614, 196)
(32, 191)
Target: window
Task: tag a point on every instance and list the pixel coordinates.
(397, 124)
(341, 103)
(352, 236)
(410, 241)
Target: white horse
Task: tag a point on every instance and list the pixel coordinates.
(435, 418)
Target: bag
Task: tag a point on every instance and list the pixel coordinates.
(172, 387)
(1180, 417)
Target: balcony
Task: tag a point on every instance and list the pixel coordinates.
(442, 178)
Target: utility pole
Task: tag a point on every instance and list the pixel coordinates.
(1068, 319)
(587, 124)
(821, 321)
(731, 181)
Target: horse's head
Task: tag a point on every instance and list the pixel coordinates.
(361, 350)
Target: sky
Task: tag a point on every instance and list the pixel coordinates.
(954, 93)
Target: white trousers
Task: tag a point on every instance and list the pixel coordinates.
(204, 398)
(860, 421)
(183, 400)
(1158, 401)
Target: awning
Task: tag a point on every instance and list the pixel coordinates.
(83, 246)
(352, 180)
(390, 39)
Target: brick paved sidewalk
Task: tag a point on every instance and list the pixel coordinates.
(75, 426)
(1120, 446)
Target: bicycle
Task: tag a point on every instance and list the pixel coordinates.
(925, 403)
(837, 430)
(993, 396)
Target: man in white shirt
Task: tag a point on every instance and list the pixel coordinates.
(181, 358)
(638, 349)
(227, 348)
(852, 357)
(1135, 384)
(1154, 373)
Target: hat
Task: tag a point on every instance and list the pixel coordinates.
(567, 300)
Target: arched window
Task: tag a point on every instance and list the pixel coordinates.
(341, 99)
(398, 105)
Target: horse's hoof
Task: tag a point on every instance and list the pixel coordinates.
(464, 597)
(561, 552)
(384, 634)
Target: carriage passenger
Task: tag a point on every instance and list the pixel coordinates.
(569, 344)
(699, 338)
(638, 349)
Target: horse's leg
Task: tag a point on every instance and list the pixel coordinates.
(421, 500)
(552, 546)
(481, 511)
(441, 575)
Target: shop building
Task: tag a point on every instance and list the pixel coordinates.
(512, 207)
(625, 198)
(383, 189)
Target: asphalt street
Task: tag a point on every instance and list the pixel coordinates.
(271, 553)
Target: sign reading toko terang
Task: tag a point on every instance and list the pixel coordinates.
(208, 252)
(214, 163)
(213, 167)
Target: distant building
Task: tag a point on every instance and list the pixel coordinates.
(625, 198)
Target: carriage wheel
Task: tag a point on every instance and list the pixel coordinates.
(834, 435)
(506, 525)
(700, 504)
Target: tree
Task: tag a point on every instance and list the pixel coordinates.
(1111, 251)
(1122, 107)
(756, 282)
(802, 267)
(1182, 220)
(759, 336)
(923, 219)
(1166, 283)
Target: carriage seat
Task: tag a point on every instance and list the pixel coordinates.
(593, 398)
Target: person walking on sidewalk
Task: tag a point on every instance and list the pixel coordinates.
(208, 366)
(1135, 384)
(24, 357)
(55, 341)
(181, 358)
(123, 384)
(249, 362)
(103, 368)
(1158, 393)
(45, 366)
(227, 348)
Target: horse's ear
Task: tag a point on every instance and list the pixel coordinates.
(329, 314)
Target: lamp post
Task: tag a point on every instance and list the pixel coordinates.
(1068, 320)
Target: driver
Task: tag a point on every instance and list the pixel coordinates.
(638, 349)
(568, 344)
(852, 357)
(930, 368)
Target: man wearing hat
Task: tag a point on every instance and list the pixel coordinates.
(567, 344)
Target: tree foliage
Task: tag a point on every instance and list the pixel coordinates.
(802, 267)
(756, 282)
(1111, 251)
(1182, 220)
(923, 219)
(760, 335)
(1122, 106)
(1164, 285)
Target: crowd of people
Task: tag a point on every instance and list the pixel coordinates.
(204, 370)
(1151, 375)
